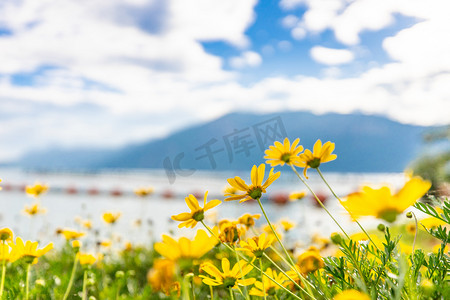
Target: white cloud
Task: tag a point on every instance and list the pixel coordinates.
(289, 21)
(298, 33)
(284, 46)
(291, 4)
(246, 59)
(146, 82)
(348, 19)
(329, 56)
(213, 20)
(332, 72)
(268, 50)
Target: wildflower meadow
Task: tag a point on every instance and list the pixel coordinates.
(404, 257)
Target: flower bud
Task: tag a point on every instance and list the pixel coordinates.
(336, 238)
(120, 274)
(381, 227)
(409, 215)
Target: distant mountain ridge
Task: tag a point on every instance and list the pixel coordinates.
(237, 141)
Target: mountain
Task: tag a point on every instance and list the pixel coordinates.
(238, 140)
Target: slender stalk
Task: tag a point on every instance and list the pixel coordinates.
(262, 281)
(2, 284)
(27, 281)
(317, 199)
(211, 292)
(231, 294)
(339, 199)
(307, 284)
(304, 281)
(84, 293)
(252, 264)
(415, 233)
(72, 276)
(192, 288)
(240, 269)
(274, 232)
(291, 262)
(119, 286)
(240, 291)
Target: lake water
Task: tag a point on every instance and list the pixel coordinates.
(88, 195)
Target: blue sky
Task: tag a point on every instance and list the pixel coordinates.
(107, 73)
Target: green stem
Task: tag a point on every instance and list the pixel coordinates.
(291, 262)
(211, 292)
(242, 275)
(339, 199)
(84, 293)
(415, 234)
(119, 286)
(304, 281)
(240, 291)
(72, 276)
(251, 263)
(262, 281)
(192, 288)
(307, 284)
(3, 269)
(187, 287)
(231, 294)
(274, 232)
(317, 199)
(27, 281)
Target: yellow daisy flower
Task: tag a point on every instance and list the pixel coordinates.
(310, 261)
(34, 209)
(285, 153)
(351, 295)
(229, 278)
(230, 233)
(110, 217)
(320, 154)
(267, 287)
(36, 190)
(85, 223)
(143, 192)
(381, 204)
(231, 190)
(162, 276)
(105, 243)
(287, 224)
(197, 213)
(248, 220)
(28, 251)
(297, 196)
(184, 247)
(255, 246)
(256, 189)
(5, 252)
(76, 244)
(86, 259)
(6, 234)
(70, 234)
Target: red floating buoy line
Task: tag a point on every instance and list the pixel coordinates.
(278, 198)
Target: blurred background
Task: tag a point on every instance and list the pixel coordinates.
(100, 98)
